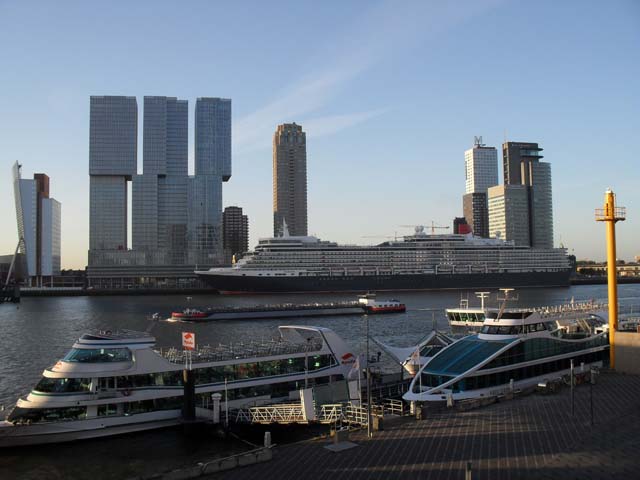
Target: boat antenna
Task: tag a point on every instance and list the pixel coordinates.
(505, 299)
(482, 296)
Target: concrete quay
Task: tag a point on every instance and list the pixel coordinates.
(530, 437)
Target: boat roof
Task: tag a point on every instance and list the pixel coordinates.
(464, 355)
(117, 335)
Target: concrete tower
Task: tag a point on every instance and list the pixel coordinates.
(290, 180)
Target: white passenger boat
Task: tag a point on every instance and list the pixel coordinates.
(516, 348)
(412, 358)
(117, 382)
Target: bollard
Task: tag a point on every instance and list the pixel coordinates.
(267, 439)
(450, 400)
(215, 397)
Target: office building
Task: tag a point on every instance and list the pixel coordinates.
(159, 203)
(212, 167)
(290, 180)
(39, 225)
(515, 157)
(509, 213)
(113, 148)
(460, 226)
(522, 166)
(235, 233)
(475, 211)
(481, 167)
(481, 173)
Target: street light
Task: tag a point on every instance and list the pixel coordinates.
(369, 433)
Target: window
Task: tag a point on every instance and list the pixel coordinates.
(100, 355)
(63, 385)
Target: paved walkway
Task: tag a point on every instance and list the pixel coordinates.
(531, 437)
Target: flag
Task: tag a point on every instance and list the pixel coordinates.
(355, 368)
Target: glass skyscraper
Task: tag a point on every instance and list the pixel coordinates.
(113, 150)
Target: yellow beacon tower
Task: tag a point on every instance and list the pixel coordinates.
(611, 214)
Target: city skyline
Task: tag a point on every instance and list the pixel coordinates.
(385, 131)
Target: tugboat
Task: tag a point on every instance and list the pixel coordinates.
(369, 304)
(189, 314)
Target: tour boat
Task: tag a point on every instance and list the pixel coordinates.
(118, 382)
(189, 314)
(515, 349)
(412, 358)
(371, 305)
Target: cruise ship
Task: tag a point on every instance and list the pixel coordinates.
(118, 382)
(515, 349)
(417, 262)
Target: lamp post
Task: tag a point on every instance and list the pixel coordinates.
(369, 432)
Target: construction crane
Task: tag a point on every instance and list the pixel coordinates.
(419, 229)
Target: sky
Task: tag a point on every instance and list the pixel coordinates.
(390, 95)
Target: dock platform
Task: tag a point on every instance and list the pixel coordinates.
(530, 437)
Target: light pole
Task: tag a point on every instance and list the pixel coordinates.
(369, 433)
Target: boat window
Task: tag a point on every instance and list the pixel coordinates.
(63, 385)
(34, 415)
(98, 355)
(108, 409)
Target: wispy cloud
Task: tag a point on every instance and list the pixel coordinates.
(384, 29)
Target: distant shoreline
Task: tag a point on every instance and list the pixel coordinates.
(56, 292)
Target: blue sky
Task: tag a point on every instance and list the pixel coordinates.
(389, 93)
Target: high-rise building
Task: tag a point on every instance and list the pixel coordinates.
(160, 194)
(113, 147)
(540, 204)
(509, 213)
(39, 225)
(522, 166)
(481, 173)
(212, 167)
(235, 233)
(475, 211)
(290, 180)
(514, 154)
(481, 167)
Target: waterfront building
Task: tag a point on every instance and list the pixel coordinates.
(460, 226)
(475, 211)
(509, 213)
(289, 180)
(481, 172)
(159, 203)
(235, 233)
(481, 167)
(522, 166)
(212, 167)
(113, 149)
(39, 225)
(514, 154)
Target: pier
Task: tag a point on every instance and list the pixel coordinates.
(534, 437)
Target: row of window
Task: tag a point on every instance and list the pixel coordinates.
(537, 348)
(503, 378)
(517, 329)
(208, 375)
(98, 355)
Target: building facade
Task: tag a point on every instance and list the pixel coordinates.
(509, 213)
(522, 166)
(481, 167)
(235, 233)
(39, 225)
(481, 173)
(159, 203)
(113, 150)
(475, 211)
(289, 180)
(212, 167)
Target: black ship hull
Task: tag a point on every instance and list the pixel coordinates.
(364, 283)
